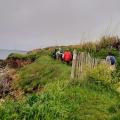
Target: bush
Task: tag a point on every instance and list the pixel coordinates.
(101, 73)
(107, 41)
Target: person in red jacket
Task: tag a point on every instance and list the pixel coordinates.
(67, 56)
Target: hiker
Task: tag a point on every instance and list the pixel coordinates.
(67, 57)
(54, 54)
(59, 54)
(110, 59)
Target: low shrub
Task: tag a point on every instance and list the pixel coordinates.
(101, 73)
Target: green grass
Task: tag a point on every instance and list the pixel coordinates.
(66, 100)
(62, 98)
(41, 72)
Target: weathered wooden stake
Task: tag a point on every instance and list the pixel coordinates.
(74, 64)
(80, 62)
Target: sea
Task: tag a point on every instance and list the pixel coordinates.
(4, 53)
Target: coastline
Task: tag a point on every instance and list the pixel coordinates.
(4, 53)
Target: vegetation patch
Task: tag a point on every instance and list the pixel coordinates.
(92, 98)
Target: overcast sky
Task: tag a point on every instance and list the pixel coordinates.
(29, 24)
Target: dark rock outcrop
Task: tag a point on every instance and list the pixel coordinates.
(17, 63)
(3, 63)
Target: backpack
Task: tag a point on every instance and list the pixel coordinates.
(112, 59)
(54, 55)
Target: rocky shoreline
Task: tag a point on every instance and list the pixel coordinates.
(4, 81)
(8, 74)
(2, 64)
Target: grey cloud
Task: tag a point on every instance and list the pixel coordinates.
(27, 24)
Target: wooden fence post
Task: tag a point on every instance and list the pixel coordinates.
(80, 62)
(74, 64)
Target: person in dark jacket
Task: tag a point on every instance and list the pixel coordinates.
(54, 54)
(110, 59)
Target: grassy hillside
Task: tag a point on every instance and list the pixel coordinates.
(50, 94)
(61, 98)
(43, 71)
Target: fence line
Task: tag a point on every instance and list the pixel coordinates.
(80, 62)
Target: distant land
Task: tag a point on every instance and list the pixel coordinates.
(4, 52)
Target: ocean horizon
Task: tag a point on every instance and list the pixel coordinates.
(4, 53)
